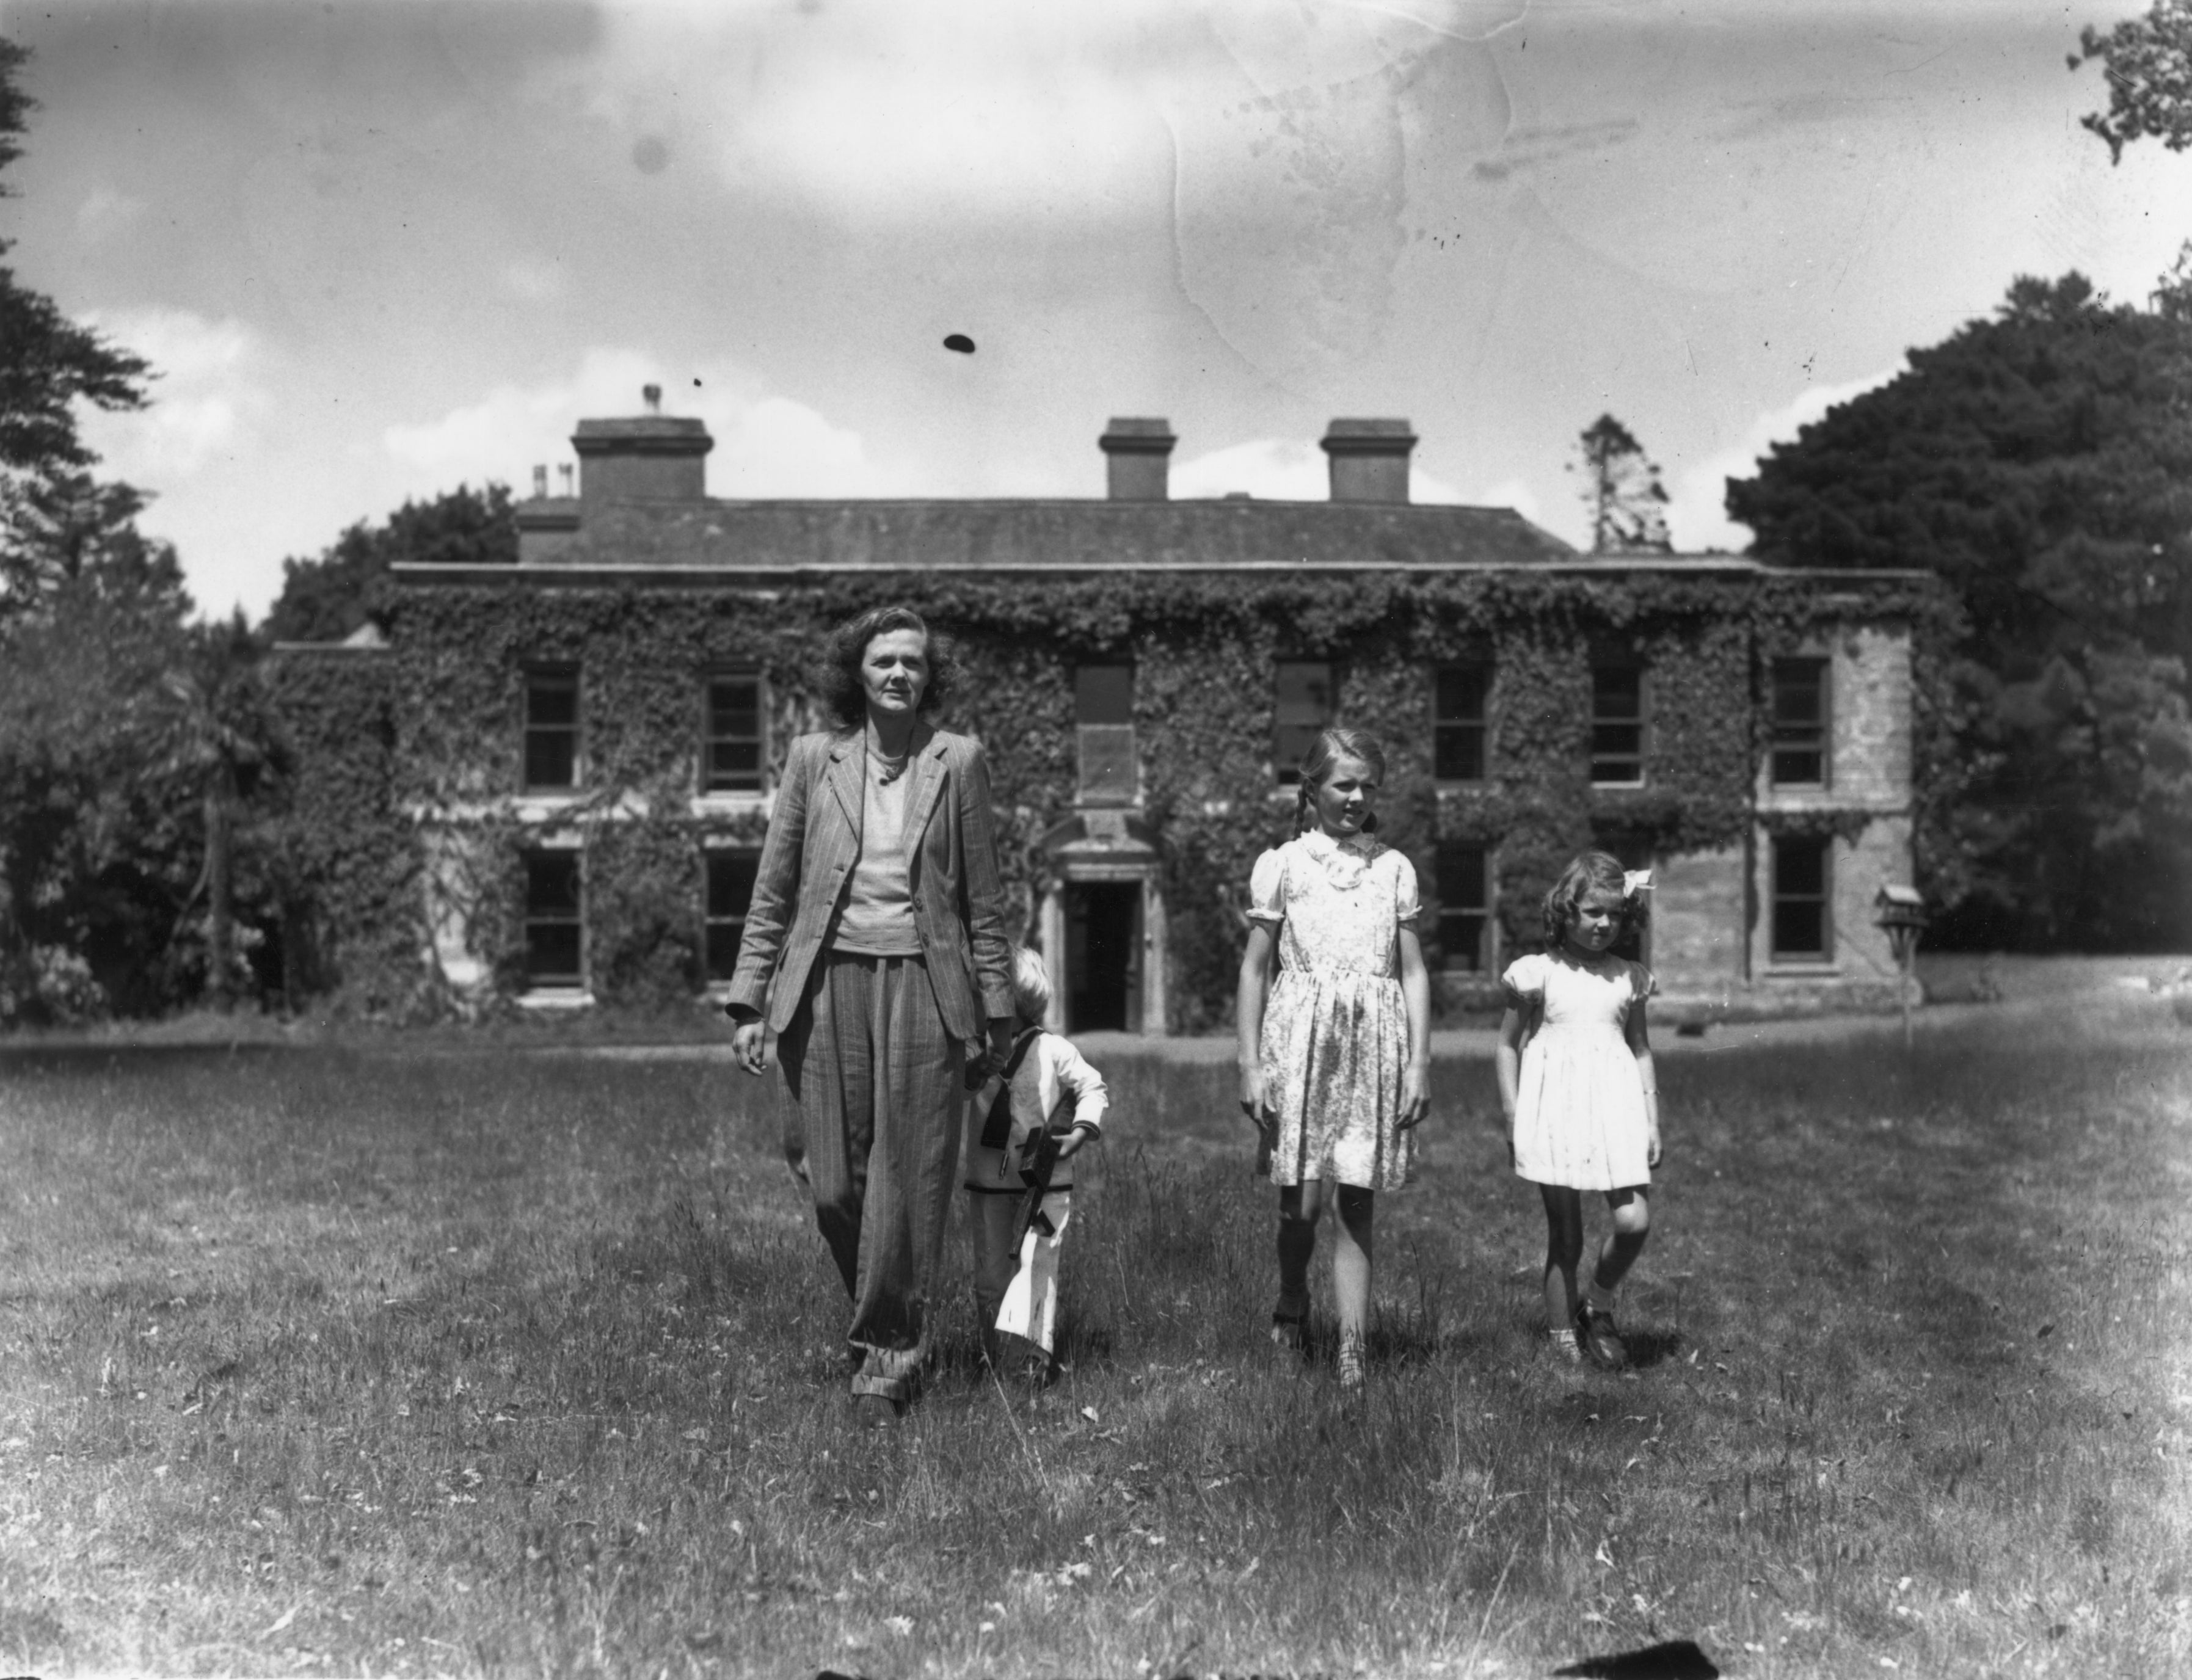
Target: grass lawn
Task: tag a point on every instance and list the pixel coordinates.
(409, 1358)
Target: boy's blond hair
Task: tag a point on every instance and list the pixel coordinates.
(1030, 985)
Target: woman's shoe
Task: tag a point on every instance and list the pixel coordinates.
(1349, 1366)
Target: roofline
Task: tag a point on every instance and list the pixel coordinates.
(552, 574)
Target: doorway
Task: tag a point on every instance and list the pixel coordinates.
(1103, 956)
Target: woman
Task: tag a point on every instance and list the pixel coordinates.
(874, 955)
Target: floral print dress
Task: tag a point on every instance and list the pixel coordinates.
(1335, 1042)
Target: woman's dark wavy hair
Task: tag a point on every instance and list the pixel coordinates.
(837, 674)
(1587, 873)
(1330, 746)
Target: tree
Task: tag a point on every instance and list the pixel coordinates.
(2147, 62)
(2040, 462)
(47, 364)
(324, 600)
(1627, 502)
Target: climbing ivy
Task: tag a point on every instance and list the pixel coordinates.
(1202, 645)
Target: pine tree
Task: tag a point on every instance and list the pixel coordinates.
(1627, 502)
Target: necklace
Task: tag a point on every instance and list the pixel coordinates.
(890, 768)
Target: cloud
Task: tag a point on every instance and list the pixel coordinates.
(1697, 516)
(200, 406)
(767, 445)
(105, 212)
(536, 280)
(1287, 470)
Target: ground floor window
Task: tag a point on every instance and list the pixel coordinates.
(730, 891)
(1803, 924)
(1464, 915)
(554, 907)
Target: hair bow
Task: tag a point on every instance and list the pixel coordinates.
(1633, 881)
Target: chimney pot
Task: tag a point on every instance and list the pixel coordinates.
(565, 470)
(540, 480)
(1138, 458)
(1369, 459)
(653, 396)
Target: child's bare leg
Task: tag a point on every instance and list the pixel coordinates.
(1632, 1223)
(1299, 1204)
(1350, 1263)
(1563, 1253)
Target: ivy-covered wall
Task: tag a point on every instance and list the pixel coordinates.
(1202, 645)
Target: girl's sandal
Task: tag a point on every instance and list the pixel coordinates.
(1289, 1329)
(1349, 1365)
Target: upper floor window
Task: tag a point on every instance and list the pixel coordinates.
(732, 749)
(730, 886)
(1459, 694)
(1303, 696)
(1617, 722)
(1803, 918)
(1465, 917)
(555, 906)
(551, 728)
(1799, 723)
(1104, 720)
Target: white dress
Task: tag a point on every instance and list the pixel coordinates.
(1579, 1109)
(1335, 1042)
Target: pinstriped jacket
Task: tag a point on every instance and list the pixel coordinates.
(951, 870)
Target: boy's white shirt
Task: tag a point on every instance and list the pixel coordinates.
(1051, 1068)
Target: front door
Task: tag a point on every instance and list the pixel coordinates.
(1103, 956)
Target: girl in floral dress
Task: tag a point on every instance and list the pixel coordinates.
(1575, 1080)
(1335, 1072)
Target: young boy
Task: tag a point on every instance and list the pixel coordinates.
(1015, 1189)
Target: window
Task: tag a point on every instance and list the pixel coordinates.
(1458, 699)
(553, 915)
(552, 729)
(1104, 714)
(731, 754)
(1302, 709)
(1617, 722)
(730, 891)
(1464, 920)
(1803, 929)
(1799, 723)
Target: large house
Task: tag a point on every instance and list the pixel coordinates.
(547, 784)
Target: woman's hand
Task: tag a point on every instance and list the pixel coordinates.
(753, 1047)
(1253, 1103)
(1510, 1139)
(1415, 1096)
(1652, 1150)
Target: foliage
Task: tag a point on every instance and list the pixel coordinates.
(1622, 490)
(325, 599)
(2147, 62)
(48, 364)
(2040, 462)
(1202, 647)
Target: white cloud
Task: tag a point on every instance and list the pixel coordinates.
(200, 404)
(536, 280)
(1697, 514)
(106, 212)
(766, 444)
(1288, 470)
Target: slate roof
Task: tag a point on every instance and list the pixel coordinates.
(1062, 535)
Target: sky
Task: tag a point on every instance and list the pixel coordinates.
(378, 249)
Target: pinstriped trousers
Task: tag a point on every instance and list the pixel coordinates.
(874, 1082)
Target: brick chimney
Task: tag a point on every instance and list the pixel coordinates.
(648, 457)
(1369, 459)
(1138, 455)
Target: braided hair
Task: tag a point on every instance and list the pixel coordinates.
(1330, 746)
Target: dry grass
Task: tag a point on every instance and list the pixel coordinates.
(371, 1360)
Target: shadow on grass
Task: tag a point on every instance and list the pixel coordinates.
(141, 1058)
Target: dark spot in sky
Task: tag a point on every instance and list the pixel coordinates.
(696, 380)
(960, 342)
(649, 155)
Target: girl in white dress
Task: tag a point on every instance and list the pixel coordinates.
(1335, 1072)
(1581, 1098)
